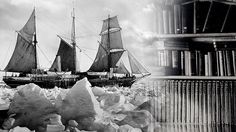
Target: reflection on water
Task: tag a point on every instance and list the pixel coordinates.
(166, 127)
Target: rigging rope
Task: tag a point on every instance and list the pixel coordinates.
(84, 53)
(81, 50)
(136, 64)
(85, 48)
(7, 51)
(44, 54)
(77, 46)
(82, 36)
(87, 28)
(51, 24)
(87, 35)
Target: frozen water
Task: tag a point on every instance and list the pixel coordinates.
(115, 108)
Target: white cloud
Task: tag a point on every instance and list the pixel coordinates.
(138, 33)
(53, 6)
(149, 8)
(53, 17)
(108, 10)
(20, 2)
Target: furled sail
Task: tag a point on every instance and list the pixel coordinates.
(65, 52)
(23, 58)
(111, 43)
(136, 67)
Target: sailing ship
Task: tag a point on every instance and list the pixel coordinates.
(24, 61)
(107, 68)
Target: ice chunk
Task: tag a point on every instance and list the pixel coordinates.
(128, 128)
(72, 123)
(111, 127)
(30, 104)
(139, 99)
(8, 123)
(111, 101)
(97, 91)
(20, 129)
(79, 104)
(55, 128)
(137, 119)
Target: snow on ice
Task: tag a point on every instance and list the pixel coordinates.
(81, 108)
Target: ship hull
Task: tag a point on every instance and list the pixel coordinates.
(43, 82)
(125, 82)
(68, 83)
(15, 83)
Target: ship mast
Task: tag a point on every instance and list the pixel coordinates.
(73, 41)
(35, 42)
(108, 43)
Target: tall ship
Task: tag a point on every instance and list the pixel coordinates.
(108, 67)
(114, 65)
(24, 61)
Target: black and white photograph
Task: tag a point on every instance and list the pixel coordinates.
(117, 66)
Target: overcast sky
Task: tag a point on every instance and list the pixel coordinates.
(53, 17)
